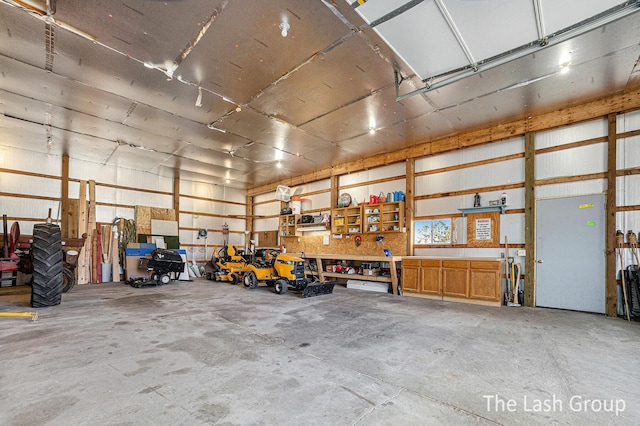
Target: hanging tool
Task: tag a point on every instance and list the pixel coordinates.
(506, 270)
(633, 243)
(33, 315)
(516, 285)
(620, 244)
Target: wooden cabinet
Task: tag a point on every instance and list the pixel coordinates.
(458, 279)
(455, 278)
(483, 276)
(287, 225)
(430, 277)
(346, 220)
(410, 275)
(383, 217)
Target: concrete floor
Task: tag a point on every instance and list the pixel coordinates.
(200, 352)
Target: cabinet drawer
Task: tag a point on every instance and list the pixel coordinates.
(455, 264)
(488, 265)
(431, 263)
(410, 262)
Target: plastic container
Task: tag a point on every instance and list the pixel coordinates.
(106, 272)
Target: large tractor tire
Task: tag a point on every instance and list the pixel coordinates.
(46, 289)
(68, 279)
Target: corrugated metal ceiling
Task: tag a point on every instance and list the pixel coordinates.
(125, 75)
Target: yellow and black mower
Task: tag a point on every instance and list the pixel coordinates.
(282, 270)
(229, 265)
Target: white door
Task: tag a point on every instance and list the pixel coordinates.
(570, 253)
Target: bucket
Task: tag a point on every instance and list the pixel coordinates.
(72, 257)
(296, 205)
(106, 272)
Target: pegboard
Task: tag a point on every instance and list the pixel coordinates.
(394, 241)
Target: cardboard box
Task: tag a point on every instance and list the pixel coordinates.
(132, 270)
(371, 272)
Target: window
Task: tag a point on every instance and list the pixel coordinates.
(433, 231)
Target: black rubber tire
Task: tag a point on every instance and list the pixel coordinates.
(46, 250)
(250, 280)
(68, 279)
(280, 286)
(235, 279)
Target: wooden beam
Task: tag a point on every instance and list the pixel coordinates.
(471, 164)
(470, 191)
(585, 112)
(529, 219)
(573, 145)
(176, 195)
(91, 230)
(610, 226)
(65, 196)
(83, 217)
(409, 201)
(249, 221)
(334, 192)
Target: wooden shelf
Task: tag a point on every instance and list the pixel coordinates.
(287, 225)
(384, 217)
(346, 220)
(393, 261)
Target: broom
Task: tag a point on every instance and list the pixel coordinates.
(620, 244)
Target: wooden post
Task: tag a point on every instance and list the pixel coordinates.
(83, 269)
(249, 221)
(91, 227)
(530, 219)
(65, 197)
(610, 226)
(176, 196)
(334, 192)
(115, 261)
(409, 204)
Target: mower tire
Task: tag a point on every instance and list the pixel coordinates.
(235, 279)
(280, 286)
(250, 280)
(46, 288)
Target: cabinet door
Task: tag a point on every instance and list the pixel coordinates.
(410, 276)
(431, 280)
(485, 280)
(485, 285)
(455, 278)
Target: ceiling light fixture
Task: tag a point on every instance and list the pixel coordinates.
(279, 165)
(372, 130)
(212, 126)
(284, 27)
(564, 68)
(199, 98)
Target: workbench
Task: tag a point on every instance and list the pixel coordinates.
(322, 260)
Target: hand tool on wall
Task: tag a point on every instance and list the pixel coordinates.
(516, 285)
(506, 269)
(620, 245)
(633, 243)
